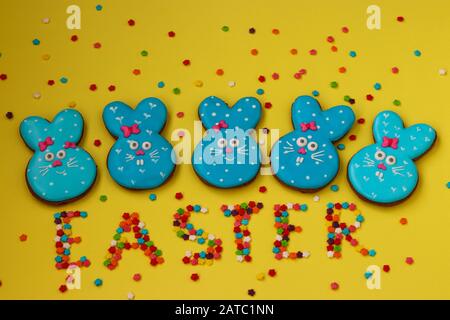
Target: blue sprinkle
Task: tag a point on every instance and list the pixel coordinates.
(199, 232)
(360, 218)
(140, 241)
(448, 185)
(304, 207)
(58, 215)
(315, 93)
(161, 84)
(227, 213)
(203, 254)
(352, 54)
(417, 53)
(334, 188)
(246, 251)
(368, 275)
(67, 252)
(189, 226)
(119, 230)
(275, 250)
(372, 253)
(330, 205)
(285, 214)
(83, 214)
(63, 80)
(341, 146)
(36, 42)
(83, 259)
(58, 259)
(345, 205)
(152, 197)
(98, 282)
(144, 231)
(197, 208)
(260, 91)
(67, 226)
(377, 86)
(99, 7)
(201, 241)
(238, 235)
(244, 222)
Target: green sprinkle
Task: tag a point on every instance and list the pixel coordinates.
(347, 98)
(176, 91)
(334, 84)
(144, 53)
(396, 102)
(103, 198)
(225, 28)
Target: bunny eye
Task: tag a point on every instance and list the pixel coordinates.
(390, 160)
(312, 146)
(380, 155)
(146, 145)
(133, 144)
(221, 143)
(234, 142)
(61, 154)
(49, 156)
(301, 142)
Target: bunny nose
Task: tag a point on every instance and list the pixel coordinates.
(302, 150)
(140, 152)
(381, 166)
(228, 150)
(57, 163)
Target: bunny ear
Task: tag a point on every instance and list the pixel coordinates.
(32, 131)
(335, 122)
(150, 114)
(414, 140)
(245, 114)
(67, 126)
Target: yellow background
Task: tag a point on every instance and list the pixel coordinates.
(27, 268)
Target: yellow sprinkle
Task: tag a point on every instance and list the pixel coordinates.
(198, 83)
(260, 276)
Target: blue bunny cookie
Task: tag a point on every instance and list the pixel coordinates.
(59, 171)
(228, 155)
(140, 158)
(306, 158)
(384, 172)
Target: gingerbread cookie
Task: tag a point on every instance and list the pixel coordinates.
(60, 170)
(228, 155)
(306, 158)
(384, 172)
(140, 158)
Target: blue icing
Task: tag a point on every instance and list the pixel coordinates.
(306, 158)
(228, 155)
(140, 158)
(385, 172)
(59, 170)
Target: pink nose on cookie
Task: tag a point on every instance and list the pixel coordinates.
(381, 166)
(140, 152)
(57, 163)
(228, 150)
(302, 150)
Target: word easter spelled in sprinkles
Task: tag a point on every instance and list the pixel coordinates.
(133, 234)
(228, 154)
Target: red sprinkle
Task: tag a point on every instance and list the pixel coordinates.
(195, 277)
(3, 76)
(272, 272)
(254, 52)
(342, 70)
(313, 52)
(136, 72)
(186, 62)
(219, 72)
(361, 120)
(275, 76)
(131, 22)
(345, 29)
(386, 268)
(334, 48)
(74, 38)
(171, 34)
(93, 87)
(352, 137)
(275, 31)
(334, 286)
(369, 97)
(137, 277)
(97, 143)
(400, 19)
(403, 221)
(409, 260)
(62, 288)
(178, 196)
(267, 105)
(51, 82)
(23, 237)
(330, 39)
(112, 88)
(294, 51)
(262, 79)
(395, 70)
(180, 114)
(97, 45)
(262, 189)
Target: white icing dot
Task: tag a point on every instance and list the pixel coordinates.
(227, 115)
(51, 184)
(239, 110)
(213, 114)
(217, 104)
(307, 177)
(341, 111)
(254, 106)
(313, 114)
(240, 179)
(221, 180)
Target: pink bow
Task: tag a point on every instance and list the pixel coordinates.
(389, 142)
(128, 131)
(44, 144)
(220, 125)
(305, 126)
(69, 144)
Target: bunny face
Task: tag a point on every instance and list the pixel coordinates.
(228, 155)
(385, 172)
(60, 170)
(306, 158)
(140, 158)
